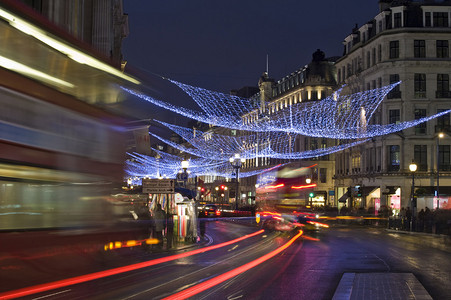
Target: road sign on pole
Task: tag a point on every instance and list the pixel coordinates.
(158, 186)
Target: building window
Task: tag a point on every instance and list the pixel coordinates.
(394, 49)
(420, 129)
(420, 157)
(373, 52)
(394, 116)
(420, 85)
(379, 53)
(323, 175)
(440, 19)
(397, 20)
(443, 122)
(419, 48)
(427, 19)
(394, 158)
(442, 49)
(355, 163)
(368, 62)
(442, 86)
(444, 157)
(380, 26)
(395, 92)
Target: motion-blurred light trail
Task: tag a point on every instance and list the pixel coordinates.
(189, 292)
(97, 275)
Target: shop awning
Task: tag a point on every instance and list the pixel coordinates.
(366, 190)
(430, 190)
(389, 190)
(343, 198)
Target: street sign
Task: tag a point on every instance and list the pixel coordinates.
(182, 177)
(158, 186)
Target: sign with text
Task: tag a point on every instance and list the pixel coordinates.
(158, 186)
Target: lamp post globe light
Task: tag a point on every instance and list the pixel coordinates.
(437, 193)
(236, 161)
(413, 169)
(183, 175)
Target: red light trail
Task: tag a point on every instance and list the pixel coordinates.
(189, 292)
(304, 186)
(97, 275)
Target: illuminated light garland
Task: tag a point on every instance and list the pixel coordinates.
(336, 111)
(144, 166)
(219, 154)
(338, 116)
(217, 105)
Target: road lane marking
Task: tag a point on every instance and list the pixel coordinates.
(53, 294)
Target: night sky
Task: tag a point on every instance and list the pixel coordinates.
(222, 45)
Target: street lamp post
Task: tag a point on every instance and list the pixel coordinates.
(236, 161)
(308, 181)
(157, 158)
(413, 169)
(439, 136)
(185, 165)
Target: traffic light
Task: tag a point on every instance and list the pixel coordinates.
(202, 191)
(222, 187)
(359, 191)
(349, 192)
(311, 195)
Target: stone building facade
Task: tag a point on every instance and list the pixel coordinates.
(407, 42)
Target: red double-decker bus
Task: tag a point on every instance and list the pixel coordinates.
(285, 189)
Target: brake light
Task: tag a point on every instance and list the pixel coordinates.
(218, 213)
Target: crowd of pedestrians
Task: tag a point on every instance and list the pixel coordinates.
(427, 220)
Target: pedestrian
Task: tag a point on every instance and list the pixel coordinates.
(160, 225)
(421, 219)
(170, 231)
(402, 216)
(408, 217)
(428, 219)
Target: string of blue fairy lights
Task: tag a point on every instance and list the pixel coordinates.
(264, 135)
(337, 117)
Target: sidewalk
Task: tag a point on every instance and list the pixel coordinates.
(439, 241)
(379, 286)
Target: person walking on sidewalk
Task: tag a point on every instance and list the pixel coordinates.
(170, 231)
(409, 218)
(402, 216)
(160, 225)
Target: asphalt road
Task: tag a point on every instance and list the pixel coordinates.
(310, 268)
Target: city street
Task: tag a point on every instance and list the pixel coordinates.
(310, 268)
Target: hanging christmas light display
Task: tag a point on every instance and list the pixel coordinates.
(338, 116)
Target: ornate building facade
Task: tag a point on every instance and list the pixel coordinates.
(314, 81)
(406, 41)
(100, 23)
